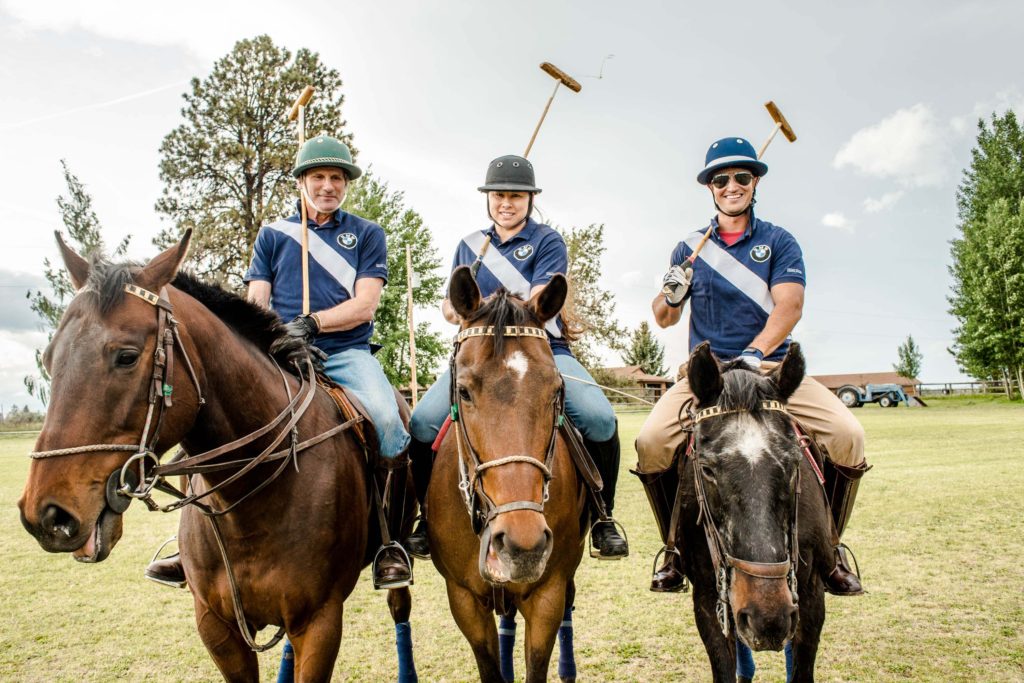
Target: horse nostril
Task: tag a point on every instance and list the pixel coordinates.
(498, 542)
(794, 618)
(56, 521)
(743, 619)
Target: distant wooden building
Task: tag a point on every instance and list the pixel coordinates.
(653, 386)
(861, 379)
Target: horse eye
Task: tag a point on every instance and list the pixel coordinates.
(464, 394)
(126, 358)
(707, 472)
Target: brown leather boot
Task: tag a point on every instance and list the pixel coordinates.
(167, 571)
(841, 484)
(669, 578)
(392, 567)
(843, 580)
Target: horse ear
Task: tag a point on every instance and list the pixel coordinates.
(78, 267)
(463, 292)
(162, 269)
(704, 375)
(550, 300)
(788, 375)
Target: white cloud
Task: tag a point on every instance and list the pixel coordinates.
(886, 201)
(1009, 99)
(837, 220)
(908, 146)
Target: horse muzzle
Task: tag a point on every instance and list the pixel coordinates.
(515, 548)
(764, 608)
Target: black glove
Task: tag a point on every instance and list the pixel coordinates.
(295, 347)
(303, 327)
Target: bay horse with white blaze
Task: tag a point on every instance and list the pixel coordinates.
(753, 521)
(505, 462)
(280, 490)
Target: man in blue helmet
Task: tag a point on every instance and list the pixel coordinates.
(347, 273)
(746, 293)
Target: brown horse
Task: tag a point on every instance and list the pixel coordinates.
(505, 501)
(133, 338)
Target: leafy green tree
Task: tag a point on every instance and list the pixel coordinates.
(644, 350)
(988, 257)
(910, 357)
(83, 235)
(227, 168)
(370, 198)
(590, 309)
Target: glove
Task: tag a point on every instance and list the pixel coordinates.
(295, 346)
(676, 284)
(752, 357)
(303, 327)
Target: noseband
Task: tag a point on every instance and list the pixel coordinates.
(723, 562)
(482, 510)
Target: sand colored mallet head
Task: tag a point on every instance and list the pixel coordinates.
(561, 78)
(780, 124)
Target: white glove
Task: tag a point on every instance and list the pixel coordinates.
(676, 284)
(751, 357)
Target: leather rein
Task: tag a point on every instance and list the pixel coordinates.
(724, 563)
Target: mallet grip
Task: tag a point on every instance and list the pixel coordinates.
(301, 101)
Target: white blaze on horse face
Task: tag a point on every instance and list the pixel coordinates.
(748, 438)
(518, 363)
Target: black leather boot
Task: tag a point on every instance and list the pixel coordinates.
(841, 484)
(167, 571)
(661, 489)
(604, 537)
(422, 457)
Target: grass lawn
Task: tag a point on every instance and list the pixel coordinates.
(937, 531)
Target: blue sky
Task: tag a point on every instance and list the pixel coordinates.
(884, 98)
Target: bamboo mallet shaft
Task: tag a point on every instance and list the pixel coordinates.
(298, 113)
(413, 384)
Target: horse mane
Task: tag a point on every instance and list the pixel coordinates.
(743, 388)
(258, 325)
(502, 309)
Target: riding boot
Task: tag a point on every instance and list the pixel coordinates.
(841, 484)
(605, 537)
(422, 457)
(167, 571)
(661, 489)
(392, 567)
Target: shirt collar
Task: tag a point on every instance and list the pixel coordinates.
(336, 218)
(751, 227)
(525, 234)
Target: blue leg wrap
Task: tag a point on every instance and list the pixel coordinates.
(566, 655)
(789, 660)
(744, 660)
(506, 646)
(286, 674)
(406, 665)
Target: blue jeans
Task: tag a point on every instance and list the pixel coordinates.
(585, 404)
(745, 660)
(358, 371)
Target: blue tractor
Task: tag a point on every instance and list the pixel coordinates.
(885, 395)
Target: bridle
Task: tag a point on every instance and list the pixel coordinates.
(481, 508)
(724, 563)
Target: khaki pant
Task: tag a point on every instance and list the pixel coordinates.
(818, 409)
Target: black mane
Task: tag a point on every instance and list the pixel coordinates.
(501, 310)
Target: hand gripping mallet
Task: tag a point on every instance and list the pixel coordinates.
(561, 78)
(298, 112)
(780, 124)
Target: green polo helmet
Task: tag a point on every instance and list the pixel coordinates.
(511, 173)
(323, 150)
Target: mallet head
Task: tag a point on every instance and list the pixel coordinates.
(559, 75)
(777, 116)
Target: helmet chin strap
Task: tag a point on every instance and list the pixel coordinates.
(306, 197)
(753, 200)
(529, 210)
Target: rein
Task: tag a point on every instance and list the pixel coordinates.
(724, 563)
(481, 508)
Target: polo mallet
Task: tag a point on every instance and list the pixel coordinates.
(298, 112)
(561, 78)
(780, 124)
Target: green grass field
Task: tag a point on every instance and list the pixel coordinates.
(937, 531)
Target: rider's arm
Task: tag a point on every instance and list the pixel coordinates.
(355, 311)
(665, 315)
(789, 306)
(259, 293)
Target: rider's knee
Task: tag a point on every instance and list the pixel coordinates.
(422, 428)
(653, 451)
(846, 445)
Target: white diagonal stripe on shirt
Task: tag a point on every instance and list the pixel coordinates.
(737, 274)
(323, 253)
(506, 273)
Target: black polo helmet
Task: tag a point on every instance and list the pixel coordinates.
(510, 173)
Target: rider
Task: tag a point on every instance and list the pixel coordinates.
(347, 272)
(522, 255)
(746, 291)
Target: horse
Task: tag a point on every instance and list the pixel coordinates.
(274, 538)
(744, 484)
(505, 501)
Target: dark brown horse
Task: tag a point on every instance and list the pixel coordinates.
(753, 521)
(505, 500)
(135, 338)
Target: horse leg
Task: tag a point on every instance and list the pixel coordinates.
(227, 648)
(400, 604)
(808, 632)
(477, 625)
(566, 654)
(721, 651)
(543, 612)
(316, 646)
(507, 644)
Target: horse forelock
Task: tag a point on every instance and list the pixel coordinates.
(744, 389)
(107, 280)
(501, 310)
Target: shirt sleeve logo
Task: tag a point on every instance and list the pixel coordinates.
(347, 240)
(524, 252)
(761, 253)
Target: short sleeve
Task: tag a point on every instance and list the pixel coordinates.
(262, 257)
(552, 258)
(679, 254)
(373, 256)
(787, 262)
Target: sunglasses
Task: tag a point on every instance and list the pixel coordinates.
(744, 178)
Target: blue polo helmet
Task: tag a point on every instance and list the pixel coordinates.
(730, 152)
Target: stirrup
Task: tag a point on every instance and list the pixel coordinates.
(163, 545)
(665, 551)
(388, 585)
(597, 553)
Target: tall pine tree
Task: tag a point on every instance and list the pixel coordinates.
(644, 350)
(909, 359)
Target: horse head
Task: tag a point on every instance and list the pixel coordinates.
(507, 395)
(105, 363)
(747, 463)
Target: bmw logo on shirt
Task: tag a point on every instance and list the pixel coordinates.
(761, 253)
(524, 252)
(347, 240)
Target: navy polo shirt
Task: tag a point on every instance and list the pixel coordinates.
(341, 251)
(730, 296)
(528, 259)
